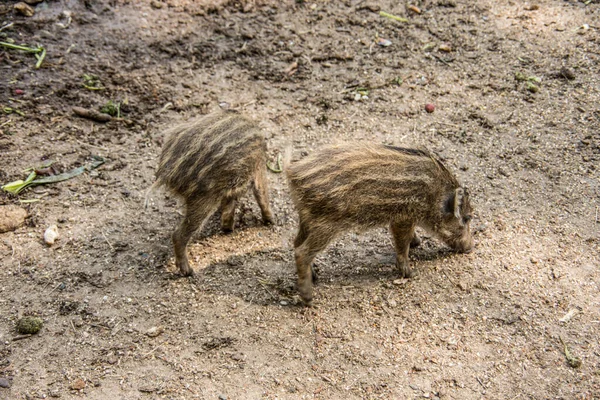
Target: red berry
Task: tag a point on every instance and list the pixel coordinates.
(19, 91)
(429, 108)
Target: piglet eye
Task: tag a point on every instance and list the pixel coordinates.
(466, 219)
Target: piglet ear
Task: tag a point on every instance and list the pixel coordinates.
(454, 203)
(459, 195)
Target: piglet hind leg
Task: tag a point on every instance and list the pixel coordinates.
(228, 214)
(197, 212)
(260, 188)
(403, 235)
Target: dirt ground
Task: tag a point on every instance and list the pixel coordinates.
(516, 87)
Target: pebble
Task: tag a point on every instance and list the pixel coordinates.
(384, 42)
(51, 235)
(11, 217)
(154, 331)
(77, 384)
(5, 383)
(24, 9)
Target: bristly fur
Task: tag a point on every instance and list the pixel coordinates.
(364, 185)
(209, 162)
(368, 184)
(204, 155)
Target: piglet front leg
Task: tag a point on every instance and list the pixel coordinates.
(403, 234)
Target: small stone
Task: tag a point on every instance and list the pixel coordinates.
(429, 108)
(283, 303)
(54, 393)
(384, 42)
(5, 383)
(77, 384)
(534, 260)
(154, 331)
(222, 397)
(24, 9)
(11, 217)
(446, 48)
(399, 281)
(237, 357)
(29, 325)
(156, 4)
(51, 234)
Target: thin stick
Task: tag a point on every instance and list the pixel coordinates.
(264, 285)
(21, 337)
(23, 48)
(6, 26)
(40, 58)
(109, 245)
(151, 351)
(392, 16)
(278, 167)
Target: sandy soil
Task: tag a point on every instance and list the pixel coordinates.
(119, 321)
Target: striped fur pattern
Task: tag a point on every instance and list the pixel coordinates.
(210, 162)
(361, 186)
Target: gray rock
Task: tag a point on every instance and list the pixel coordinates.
(5, 383)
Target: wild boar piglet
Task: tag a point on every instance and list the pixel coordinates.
(361, 185)
(210, 162)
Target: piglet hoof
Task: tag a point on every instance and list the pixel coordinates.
(404, 270)
(268, 220)
(306, 295)
(307, 302)
(185, 269)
